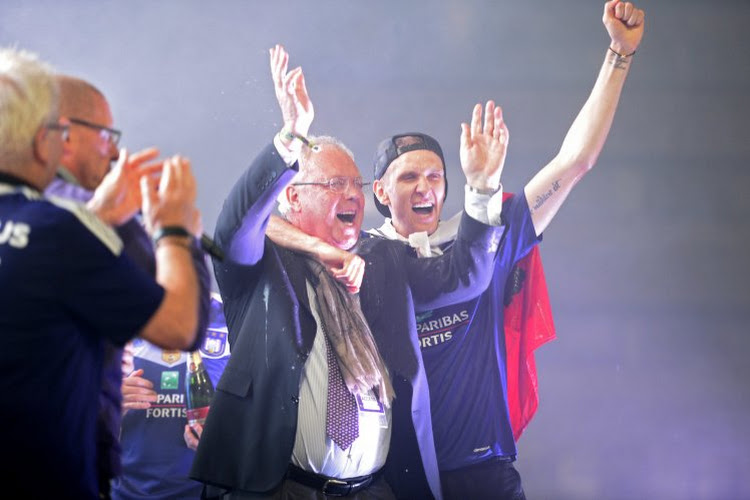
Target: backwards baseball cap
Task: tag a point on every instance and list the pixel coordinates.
(393, 147)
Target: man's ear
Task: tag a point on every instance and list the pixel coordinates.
(41, 145)
(67, 153)
(378, 187)
(292, 198)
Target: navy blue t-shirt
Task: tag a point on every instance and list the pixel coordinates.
(463, 347)
(64, 285)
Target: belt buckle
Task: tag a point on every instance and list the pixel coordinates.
(334, 482)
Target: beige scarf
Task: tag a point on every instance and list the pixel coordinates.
(343, 323)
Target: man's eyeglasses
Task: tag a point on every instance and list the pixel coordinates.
(337, 184)
(108, 134)
(64, 129)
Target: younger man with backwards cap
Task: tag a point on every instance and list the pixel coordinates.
(482, 376)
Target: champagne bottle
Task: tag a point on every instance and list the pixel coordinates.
(198, 388)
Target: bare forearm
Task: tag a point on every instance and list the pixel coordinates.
(174, 324)
(586, 136)
(346, 267)
(583, 143)
(290, 237)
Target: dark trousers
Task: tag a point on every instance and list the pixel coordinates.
(291, 490)
(495, 478)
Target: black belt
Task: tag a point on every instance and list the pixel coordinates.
(329, 485)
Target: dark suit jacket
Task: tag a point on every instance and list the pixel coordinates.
(248, 438)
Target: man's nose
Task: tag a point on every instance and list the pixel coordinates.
(423, 184)
(114, 153)
(351, 190)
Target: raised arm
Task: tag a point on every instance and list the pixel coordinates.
(298, 112)
(483, 151)
(466, 271)
(296, 107)
(242, 223)
(549, 188)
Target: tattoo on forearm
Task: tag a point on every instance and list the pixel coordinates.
(542, 198)
(618, 61)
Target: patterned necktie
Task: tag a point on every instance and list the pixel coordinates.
(342, 417)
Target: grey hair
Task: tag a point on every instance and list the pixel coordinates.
(321, 140)
(305, 155)
(28, 99)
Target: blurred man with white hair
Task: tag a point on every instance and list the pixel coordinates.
(67, 287)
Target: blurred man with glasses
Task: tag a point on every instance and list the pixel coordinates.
(88, 153)
(92, 145)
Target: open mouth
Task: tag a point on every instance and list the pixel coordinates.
(423, 208)
(346, 217)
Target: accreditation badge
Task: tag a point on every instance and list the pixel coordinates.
(370, 408)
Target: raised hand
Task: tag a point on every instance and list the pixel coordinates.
(291, 93)
(483, 149)
(624, 23)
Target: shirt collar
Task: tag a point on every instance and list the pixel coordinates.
(65, 175)
(11, 179)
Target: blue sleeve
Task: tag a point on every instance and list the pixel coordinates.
(521, 236)
(241, 227)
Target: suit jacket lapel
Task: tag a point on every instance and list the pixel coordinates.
(296, 273)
